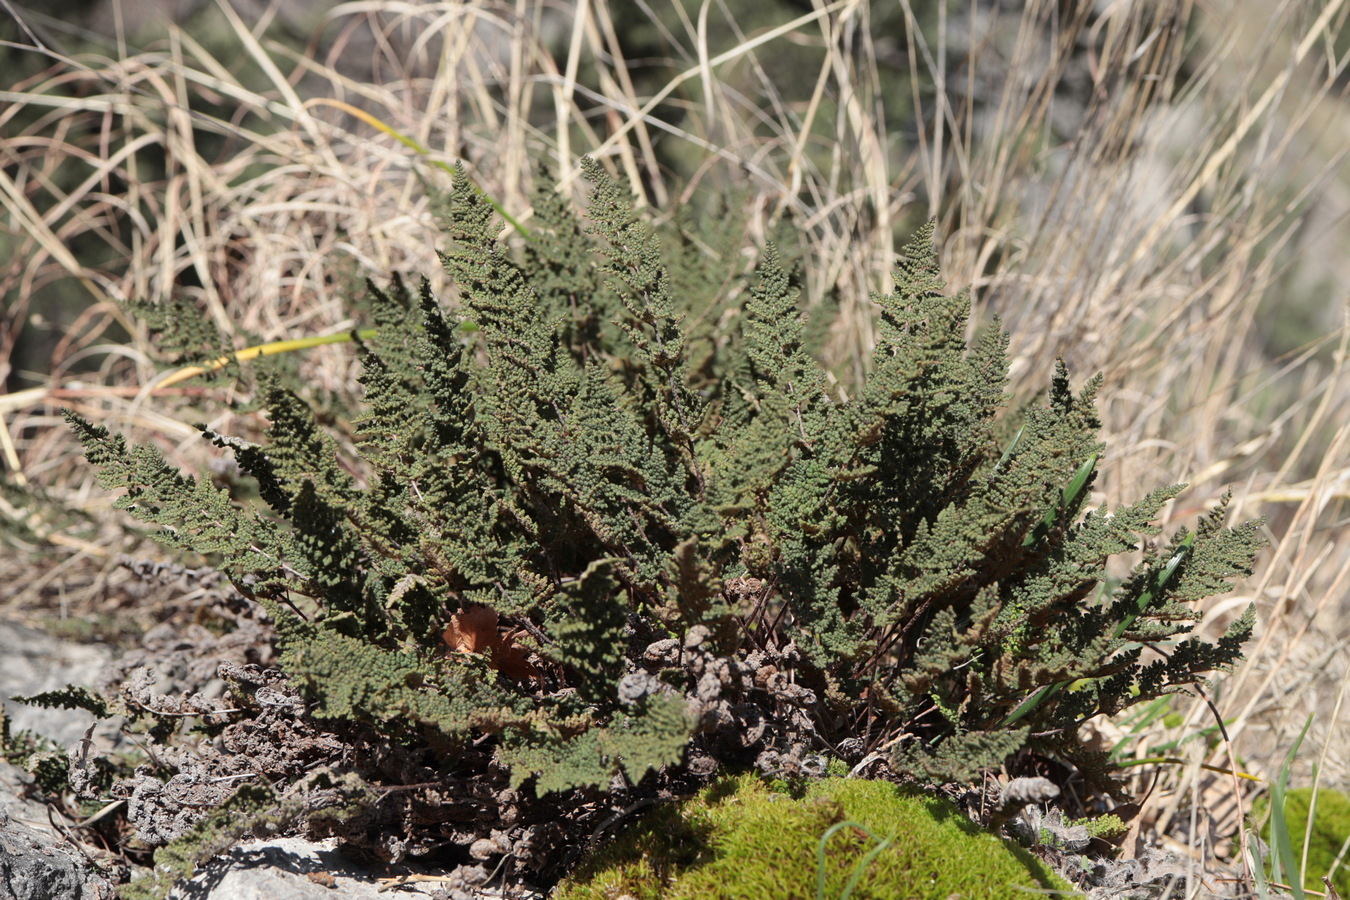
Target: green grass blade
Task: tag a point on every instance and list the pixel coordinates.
(858, 869)
(1283, 865)
(1007, 454)
(1068, 495)
(1159, 585)
(1029, 705)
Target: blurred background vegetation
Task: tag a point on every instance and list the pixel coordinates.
(1156, 190)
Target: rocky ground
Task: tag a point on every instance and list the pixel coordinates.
(45, 855)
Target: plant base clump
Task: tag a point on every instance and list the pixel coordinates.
(740, 839)
(604, 516)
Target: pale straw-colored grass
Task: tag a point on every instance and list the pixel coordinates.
(1146, 209)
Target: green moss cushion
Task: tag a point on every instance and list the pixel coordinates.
(739, 840)
(1330, 833)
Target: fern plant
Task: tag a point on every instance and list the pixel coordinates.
(566, 543)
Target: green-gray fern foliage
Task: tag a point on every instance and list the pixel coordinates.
(564, 543)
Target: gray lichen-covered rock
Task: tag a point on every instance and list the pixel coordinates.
(32, 867)
(37, 863)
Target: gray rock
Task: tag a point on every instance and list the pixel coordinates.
(296, 869)
(33, 868)
(36, 861)
(37, 662)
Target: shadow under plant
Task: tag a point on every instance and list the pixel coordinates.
(593, 549)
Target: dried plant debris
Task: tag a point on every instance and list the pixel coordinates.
(1153, 875)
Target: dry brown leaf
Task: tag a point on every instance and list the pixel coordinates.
(471, 630)
(474, 630)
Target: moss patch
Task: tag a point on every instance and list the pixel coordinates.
(1330, 831)
(739, 839)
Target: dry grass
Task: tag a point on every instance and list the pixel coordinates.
(1151, 209)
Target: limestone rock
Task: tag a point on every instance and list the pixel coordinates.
(36, 861)
(296, 869)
